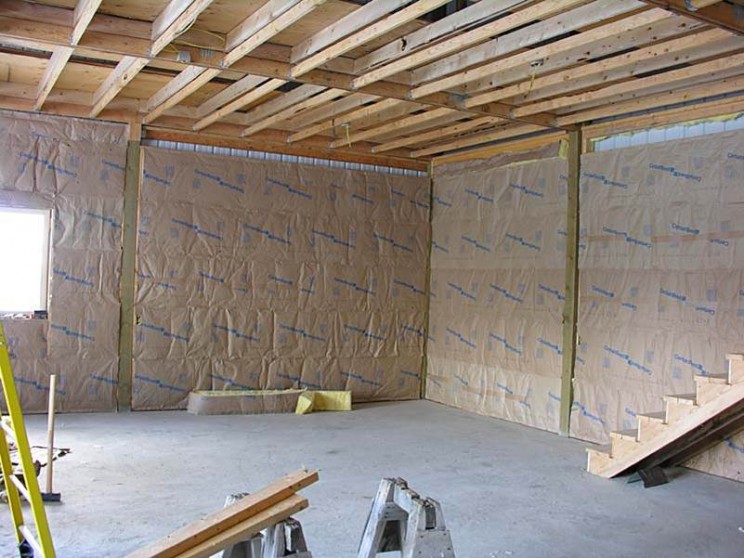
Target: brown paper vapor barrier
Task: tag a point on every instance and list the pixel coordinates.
(255, 275)
(76, 169)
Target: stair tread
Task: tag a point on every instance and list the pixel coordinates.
(661, 415)
(683, 397)
(606, 448)
(712, 378)
(631, 433)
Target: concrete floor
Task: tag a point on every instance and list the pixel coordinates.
(506, 490)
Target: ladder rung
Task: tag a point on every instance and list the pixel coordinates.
(30, 539)
(21, 487)
(8, 429)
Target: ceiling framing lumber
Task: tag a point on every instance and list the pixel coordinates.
(365, 35)
(539, 53)
(478, 139)
(721, 14)
(369, 13)
(82, 15)
(458, 42)
(246, 99)
(395, 125)
(439, 133)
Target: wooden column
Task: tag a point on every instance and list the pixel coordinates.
(127, 279)
(427, 314)
(570, 306)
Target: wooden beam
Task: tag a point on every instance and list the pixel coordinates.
(468, 141)
(125, 71)
(236, 89)
(127, 277)
(720, 87)
(352, 22)
(183, 85)
(721, 14)
(600, 69)
(483, 10)
(54, 68)
(635, 87)
(270, 19)
(542, 52)
(282, 102)
(438, 133)
(175, 18)
(571, 284)
(559, 25)
(212, 525)
(345, 119)
(325, 97)
(281, 146)
(394, 126)
(365, 35)
(514, 146)
(331, 110)
(245, 99)
(463, 40)
(84, 12)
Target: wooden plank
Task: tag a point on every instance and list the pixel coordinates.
(127, 278)
(248, 528)
(365, 35)
(84, 12)
(463, 40)
(485, 9)
(478, 139)
(352, 22)
(236, 89)
(551, 49)
(54, 68)
(175, 18)
(727, 85)
(723, 14)
(560, 24)
(331, 110)
(393, 126)
(270, 19)
(571, 284)
(249, 97)
(281, 146)
(345, 119)
(437, 134)
(503, 147)
(325, 97)
(567, 77)
(180, 87)
(280, 103)
(212, 525)
(125, 71)
(636, 86)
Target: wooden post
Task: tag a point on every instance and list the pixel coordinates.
(570, 306)
(127, 280)
(427, 313)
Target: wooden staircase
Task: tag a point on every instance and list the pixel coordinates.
(689, 424)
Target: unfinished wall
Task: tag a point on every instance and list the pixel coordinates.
(662, 281)
(76, 168)
(266, 275)
(497, 273)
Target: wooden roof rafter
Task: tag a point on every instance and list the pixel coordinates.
(725, 15)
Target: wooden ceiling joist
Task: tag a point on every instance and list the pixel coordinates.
(478, 139)
(539, 53)
(245, 99)
(437, 134)
(377, 29)
(721, 14)
(393, 126)
(332, 110)
(477, 35)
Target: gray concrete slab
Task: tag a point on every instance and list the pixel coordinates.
(506, 490)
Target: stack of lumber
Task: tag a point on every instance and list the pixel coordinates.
(235, 523)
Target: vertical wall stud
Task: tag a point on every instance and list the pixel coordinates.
(126, 318)
(570, 307)
(427, 314)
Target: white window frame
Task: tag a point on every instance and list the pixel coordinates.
(45, 278)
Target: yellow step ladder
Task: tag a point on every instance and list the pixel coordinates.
(12, 427)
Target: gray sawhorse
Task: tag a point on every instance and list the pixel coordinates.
(401, 520)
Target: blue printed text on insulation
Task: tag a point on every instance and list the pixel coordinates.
(331, 237)
(505, 343)
(439, 201)
(219, 180)
(103, 218)
(364, 333)
(462, 292)
(580, 407)
(628, 360)
(475, 243)
(196, 228)
(160, 383)
(552, 346)
(675, 172)
(409, 286)
(359, 378)
(685, 229)
(604, 292)
(72, 279)
(522, 242)
(154, 178)
(629, 239)
(692, 364)
(235, 332)
(394, 243)
(211, 277)
(71, 333)
(353, 285)
(506, 294)
(526, 190)
(48, 164)
(437, 246)
(551, 291)
(290, 189)
(478, 195)
(164, 332)
(301, 332)
(461, 338)
(298, 380)
(268, 234)
(605, 181)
